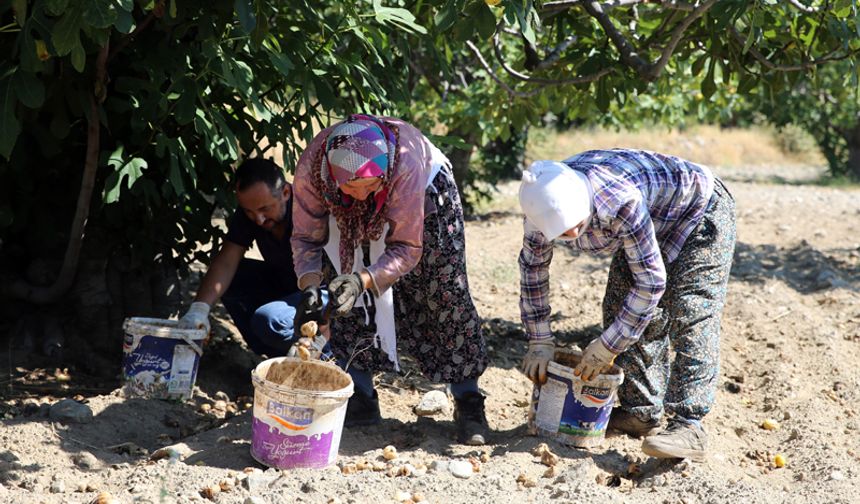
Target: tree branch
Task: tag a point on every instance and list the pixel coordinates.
(493, 75)
(628, 53)
(677, 34)
(805, 8)
(554, 55)
(536, 80)
(761, 58)
(432, 82)
(611, 4)
(20, 288)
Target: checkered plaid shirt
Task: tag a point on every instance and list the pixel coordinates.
(645, 202)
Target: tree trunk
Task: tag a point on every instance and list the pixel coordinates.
(461, 158)
(853, 140)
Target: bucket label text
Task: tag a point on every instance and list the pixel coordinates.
(292, 417)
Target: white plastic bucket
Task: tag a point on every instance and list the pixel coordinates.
(298, 421)
(160, 359)
(569, 410)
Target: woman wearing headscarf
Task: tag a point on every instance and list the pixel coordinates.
(670, 225)
(376, 198)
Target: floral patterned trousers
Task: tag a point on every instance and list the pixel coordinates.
(674, 366)
(435, 318)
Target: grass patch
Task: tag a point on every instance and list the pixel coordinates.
(838, 181)
(705, 144)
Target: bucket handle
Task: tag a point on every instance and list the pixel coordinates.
(194, 346)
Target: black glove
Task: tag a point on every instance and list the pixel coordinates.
(344, 291)
(310, 308)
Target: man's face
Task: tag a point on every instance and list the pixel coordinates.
(262, 207)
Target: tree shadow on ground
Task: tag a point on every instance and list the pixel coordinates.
(226, 366)
(124, 432)
(801, 266)
(11, 468)
(492, 216)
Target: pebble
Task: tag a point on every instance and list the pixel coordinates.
(837, 476)
(253, 500)
(58, 487)
(461, 469)
(258, 481)
(85, 460)
(432, 403)
(439, 465)
(733, 387)
(176, 451)
(577, 471)
(71, 411)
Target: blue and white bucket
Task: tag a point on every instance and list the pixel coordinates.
(572, 411)
(160, 359)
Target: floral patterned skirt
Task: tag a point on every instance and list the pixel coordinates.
(436, 321)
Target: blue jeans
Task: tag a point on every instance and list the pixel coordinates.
(262, 308)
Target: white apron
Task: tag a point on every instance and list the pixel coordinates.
(386, 334)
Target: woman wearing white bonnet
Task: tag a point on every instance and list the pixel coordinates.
(670, 226)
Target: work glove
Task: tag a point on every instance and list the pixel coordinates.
(596, 358)
(537, 358)
(197, 317)
(344, 291)
(310, 307)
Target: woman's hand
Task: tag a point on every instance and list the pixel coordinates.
(310, 307)
(344, 291)
(596, 358)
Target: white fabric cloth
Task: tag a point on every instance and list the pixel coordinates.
(386, 332)
(554, 197)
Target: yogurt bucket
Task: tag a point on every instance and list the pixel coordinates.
(572, 411)
(160, 359)
(299, 409)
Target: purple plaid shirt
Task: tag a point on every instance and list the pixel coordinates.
(645, 202)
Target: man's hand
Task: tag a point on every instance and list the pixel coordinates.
(310, 308)
(197, 317)
(538, 357)
(344, 291)
(595, 359)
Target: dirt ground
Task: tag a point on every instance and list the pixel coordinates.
(790, 351)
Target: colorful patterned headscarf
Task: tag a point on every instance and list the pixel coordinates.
(361, 146)
(357, 148)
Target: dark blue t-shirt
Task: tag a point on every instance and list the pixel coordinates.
(277, 253)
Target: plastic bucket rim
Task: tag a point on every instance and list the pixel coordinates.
(163, 328)
(341, 393)
(616, 377)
